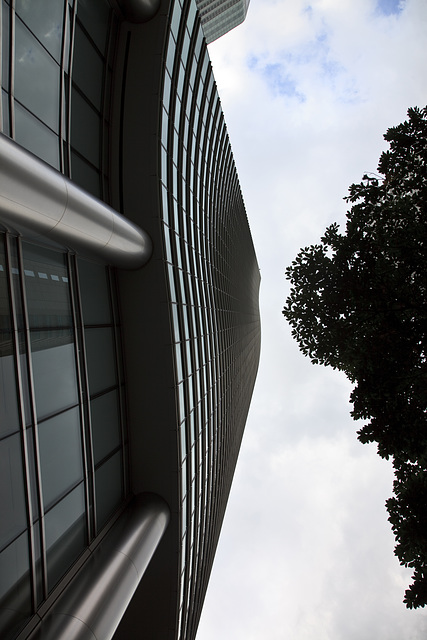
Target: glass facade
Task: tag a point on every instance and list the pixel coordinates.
(56, 74)
(220, 16)
(61, 433)
(63, 422)
(209, 256)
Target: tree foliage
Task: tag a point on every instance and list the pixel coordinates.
(358, 303)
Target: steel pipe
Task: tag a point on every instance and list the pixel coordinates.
(93, 604)
(36, 198)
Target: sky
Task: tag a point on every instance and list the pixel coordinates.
(306, 552)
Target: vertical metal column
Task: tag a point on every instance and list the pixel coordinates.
(21, 409)
(83, 392)
(89, 464)
(38, 488)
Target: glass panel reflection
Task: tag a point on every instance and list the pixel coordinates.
(12, 495)
(88, 68)
(108, 488)
(101, 360)
(85, 175)
(54, 369)
(36, 137)
(44, 18)
(60, 454)
(105, 425)
(94, 16)
(15, 587)
(36, 77)
(65, 528)
(9, 419)
(47, 288)
(85, 128)
(94, 292)
(52, 344)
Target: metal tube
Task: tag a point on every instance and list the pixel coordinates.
(95, 601)
(38, 199)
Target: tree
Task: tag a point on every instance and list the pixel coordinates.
(358, 303)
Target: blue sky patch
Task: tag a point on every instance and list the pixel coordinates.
(389, 7)
(280, 83)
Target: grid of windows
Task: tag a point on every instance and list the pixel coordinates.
(56, 76)
(220, 16)
(213, 281)
(62, 443)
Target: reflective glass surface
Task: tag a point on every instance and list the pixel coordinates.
(109, 488)
(85, 129)
(65, 528)
(94, 291)
(36, 77)
(95, 18)
(32, 134)
(51, 475)
(54, 368)
(45, 19)
(12, 491)
(208, 244)
(9, 417)
(50, 394)
(105, 425)
(88, 68)
(101, 360)
(61, 458)
(15, 587)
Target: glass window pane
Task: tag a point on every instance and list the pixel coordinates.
(44, 18)
(47, 288)
(101, 361)
(94, 16)
(12, 495)
(32, 134)
(87, 68)
(95, 293)
(54, 369)
(5, 46)
(105, 420)
(65, 527)
(60, 454)
(85, 175)
(85, 126)
(36, 77)
(9, 418)
(5, 113)
(108, 488)
(15, 588)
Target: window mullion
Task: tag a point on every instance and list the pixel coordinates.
(84, 395)
(39, 493)
(21, 409)
(83, 391)
(120, 381)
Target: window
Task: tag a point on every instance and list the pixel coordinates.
(61, 432)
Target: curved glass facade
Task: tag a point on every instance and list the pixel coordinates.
(213, 282)
(61, 435)
(76, 92)
(56, 79)
(63, 461)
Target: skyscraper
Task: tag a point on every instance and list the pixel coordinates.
(130, 325)
(220, 16)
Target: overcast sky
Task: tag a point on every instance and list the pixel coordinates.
(306, 551)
